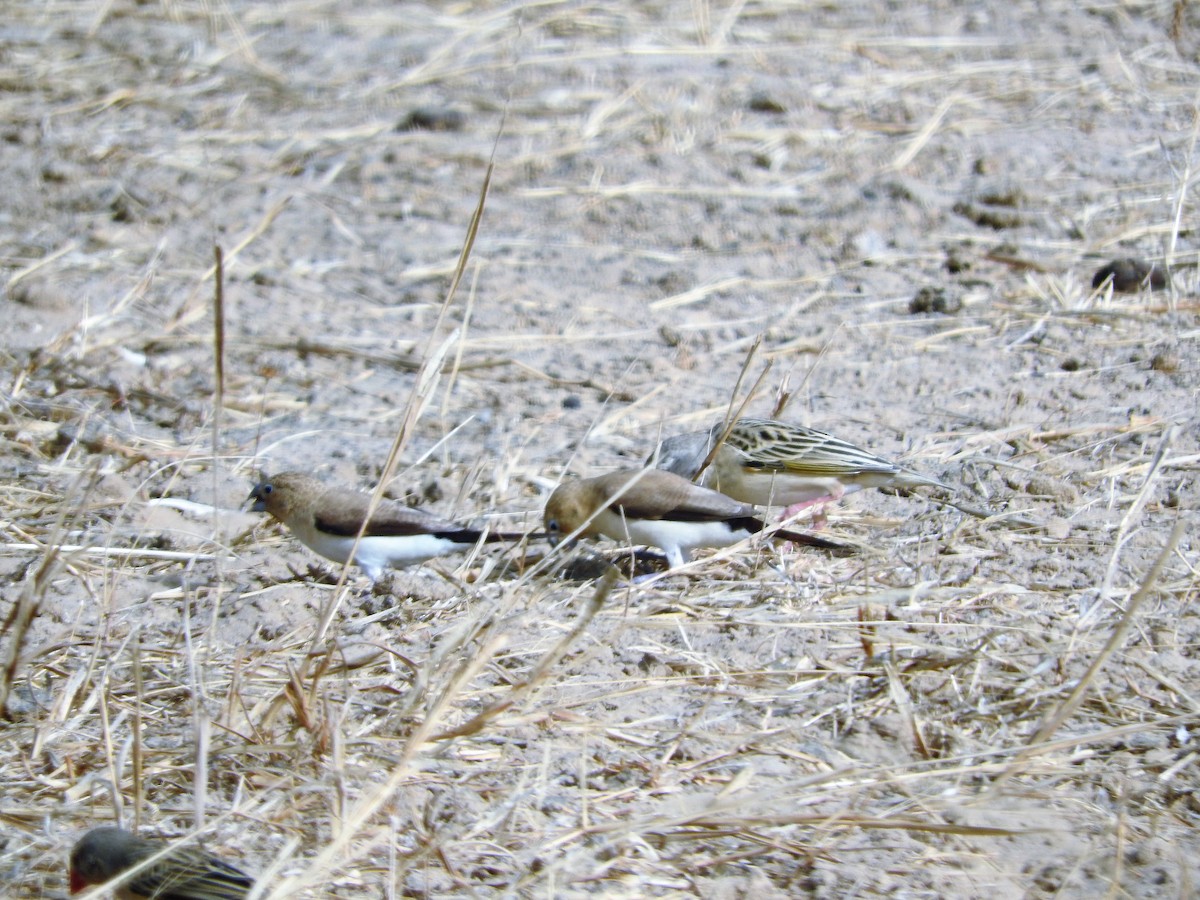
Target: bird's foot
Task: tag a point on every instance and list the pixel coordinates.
(819, 517)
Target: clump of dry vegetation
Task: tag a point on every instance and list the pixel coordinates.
(467, 251)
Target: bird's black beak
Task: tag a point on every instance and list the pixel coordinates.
(258, 497)
(554, 534)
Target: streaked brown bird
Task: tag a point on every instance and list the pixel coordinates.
(184, 873)
(326, 519)
(658, 509)
(771, 463)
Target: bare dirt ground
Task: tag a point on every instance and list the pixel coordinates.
(905, 202)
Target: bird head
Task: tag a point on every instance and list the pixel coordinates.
(281, 494)
(565, 511)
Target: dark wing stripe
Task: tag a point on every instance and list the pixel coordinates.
(678, 514)
(748, 523)
(409, 524)
(509, 536)
(458, 535)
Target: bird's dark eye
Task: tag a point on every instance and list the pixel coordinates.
(266, 489)
(552, 526)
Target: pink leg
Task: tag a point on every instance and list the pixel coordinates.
(819, 518)
(796, 508)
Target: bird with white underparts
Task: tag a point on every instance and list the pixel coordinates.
(328, 518)
(657, 509)
(771, 463)
(182, 873)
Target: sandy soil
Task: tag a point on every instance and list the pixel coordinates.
(903, 203)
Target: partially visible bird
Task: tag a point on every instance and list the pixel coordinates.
(185, 873)
(658, 509)
(772, 463)
(327, 518)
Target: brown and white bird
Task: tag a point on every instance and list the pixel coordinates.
(326, 519)
(659, 509)
(185, 873)
(772, 463)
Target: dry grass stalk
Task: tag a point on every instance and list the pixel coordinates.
(740, 727)
(1132, 516)
(16, 624)
(138, 756)
(421, 395)
(33, 591)
(218, 415)
(1071, 703)
(427, 378)
(542, 670)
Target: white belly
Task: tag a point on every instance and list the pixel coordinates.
(378, 553)
(675, 538)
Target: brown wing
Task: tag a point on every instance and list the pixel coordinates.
(342, 512)
(658, 494)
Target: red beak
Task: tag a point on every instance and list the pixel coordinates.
(77, 883)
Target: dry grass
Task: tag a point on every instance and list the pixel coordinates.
(997, 697)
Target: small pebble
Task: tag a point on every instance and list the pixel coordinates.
(1165, 361)
(933, 300)
(433, 118)
(572, 401)
(765, 103)
(956, 262)
(1130, 276)
(997, 218)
